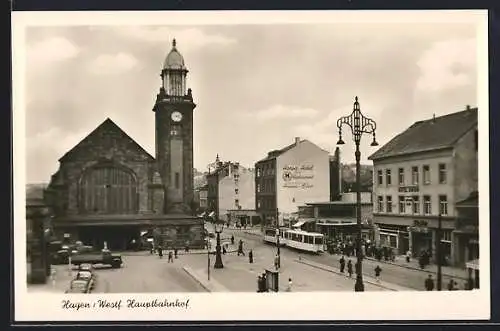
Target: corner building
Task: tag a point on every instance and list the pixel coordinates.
(109, 189)
(423, 173)
(289, 178)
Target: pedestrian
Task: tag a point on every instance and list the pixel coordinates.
(264, 283)
(250, 256)
(53, 276)
(429, 283)
(277, 262)
(175, 253)
(349, 268)
(289, 286)
(224, 251)
(170, 257)
(240, 248)
(160, 252)
(232, 239)
(377, 273)
(342, 264)
(408, 256)
(260, 287)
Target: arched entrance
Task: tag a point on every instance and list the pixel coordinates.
(108, 189)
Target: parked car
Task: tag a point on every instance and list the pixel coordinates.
(86, 267)
(79, 286)
(87, 276)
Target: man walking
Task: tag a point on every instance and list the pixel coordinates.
(349, 268)
(170, 257)
(342, 264)
(250, 256)
(377, 273)
(429, 283)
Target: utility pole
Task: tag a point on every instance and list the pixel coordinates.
(439, 253)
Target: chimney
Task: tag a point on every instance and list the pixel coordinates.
(297, 140)
(433, 118)
(467, 107)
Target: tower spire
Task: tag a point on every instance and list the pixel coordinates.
(174, 43)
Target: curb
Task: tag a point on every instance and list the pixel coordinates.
(328, 269)
(189, 272)
(415, 268)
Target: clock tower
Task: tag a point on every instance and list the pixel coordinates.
(174, 135)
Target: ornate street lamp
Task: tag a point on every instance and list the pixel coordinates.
(218, 226)
(359, 124)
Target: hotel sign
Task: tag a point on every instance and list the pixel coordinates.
(298, 176)
(408, 189)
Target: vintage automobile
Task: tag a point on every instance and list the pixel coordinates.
(79, 286)
(87, 276)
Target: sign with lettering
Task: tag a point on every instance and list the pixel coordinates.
(408, 189)
(298, 176)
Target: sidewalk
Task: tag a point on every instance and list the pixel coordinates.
(367, 279)
(59, 284)
(238, 275)
(432, 268)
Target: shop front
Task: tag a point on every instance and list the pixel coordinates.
(393, 236)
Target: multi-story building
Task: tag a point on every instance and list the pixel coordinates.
(419, 176)
(288, 178)
(231, 187)
(203, 197)
(337, 219)
(335, 176)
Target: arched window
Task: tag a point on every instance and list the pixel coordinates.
(108, 190)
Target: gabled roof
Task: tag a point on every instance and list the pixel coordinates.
(275, 153)
(434, 134)
(106, 127)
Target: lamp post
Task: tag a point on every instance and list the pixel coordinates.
(218, 258)
(278, 238)
(208, 258)
(359, 124)
(439, 253)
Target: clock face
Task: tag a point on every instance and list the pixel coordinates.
(176, 116)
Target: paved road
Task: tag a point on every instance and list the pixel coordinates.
(146, 274)
(239, 275)
(390, 273)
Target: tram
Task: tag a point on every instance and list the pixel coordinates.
(297, 239)
(270, 236)
(305, 241)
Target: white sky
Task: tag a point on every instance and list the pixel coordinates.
(256, 86)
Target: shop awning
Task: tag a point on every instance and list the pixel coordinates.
(299, 224)
(474, 264)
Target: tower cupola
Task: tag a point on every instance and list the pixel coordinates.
(174, 73)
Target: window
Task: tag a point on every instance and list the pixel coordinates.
(427, 174)
(380, 177)
(388, 204)
(388, 180)
(380, 203)
(259, 172)
(427, 205)
(177, 180)
(414, 175)
(442, 173)
(236, 191)
(446, 236)
(443, 205)
(258, 188)
(236, 202)
(258, 204)
(401, 176)
(401, 204)
(416, 205)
